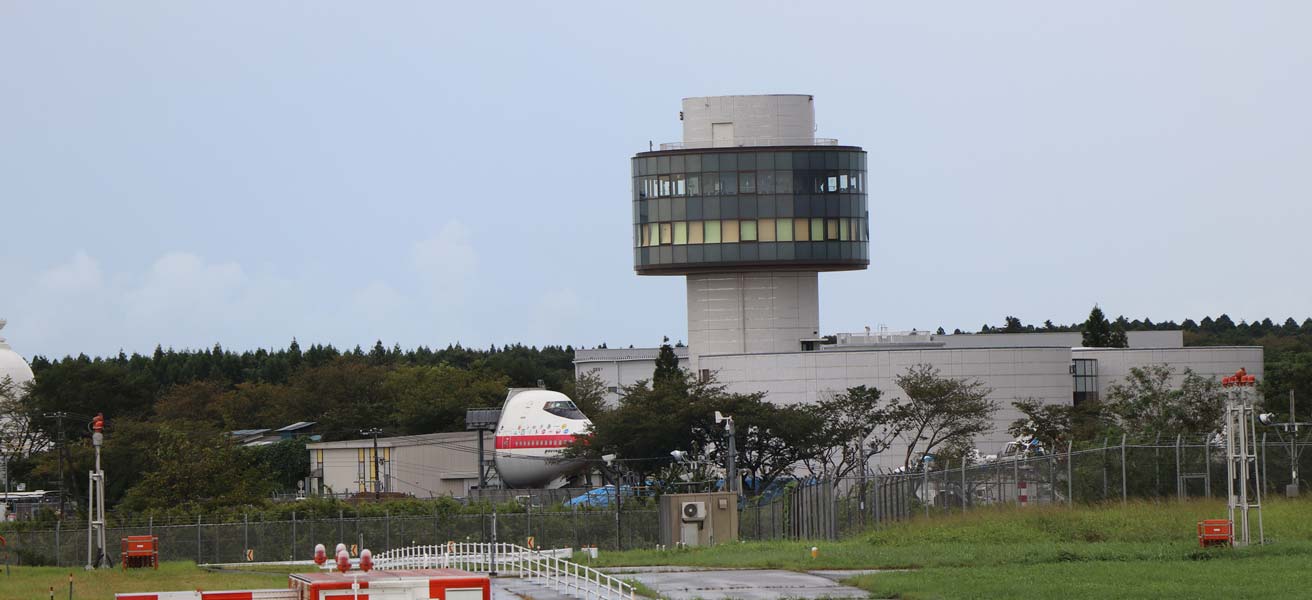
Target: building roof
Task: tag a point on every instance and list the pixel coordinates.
(297, 426)
(247, 432)
(437, 439)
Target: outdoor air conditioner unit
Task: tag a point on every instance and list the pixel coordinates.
(693, 511)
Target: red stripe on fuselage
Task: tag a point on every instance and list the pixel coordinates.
(516, 442)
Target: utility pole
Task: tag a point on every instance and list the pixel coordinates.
(377, 471)
(59, 451)
(1292, 489)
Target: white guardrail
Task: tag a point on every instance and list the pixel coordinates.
(546, 567)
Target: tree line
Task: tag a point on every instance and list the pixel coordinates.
(170, 411)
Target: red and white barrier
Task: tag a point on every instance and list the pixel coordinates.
(218, 595)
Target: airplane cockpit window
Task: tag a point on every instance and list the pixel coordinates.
(564, 408)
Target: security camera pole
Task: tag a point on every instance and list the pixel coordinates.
(1291, 427)
(731, 455)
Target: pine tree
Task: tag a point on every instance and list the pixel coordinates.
(667, 366)
(1097, 331)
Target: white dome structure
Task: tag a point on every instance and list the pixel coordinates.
(12, 365)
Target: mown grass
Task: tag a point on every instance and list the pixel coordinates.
(27, 583)
(1093, 551)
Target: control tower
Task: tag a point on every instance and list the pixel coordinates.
(750, 207)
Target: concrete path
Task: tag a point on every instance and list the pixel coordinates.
(744, 585)
(514, 588)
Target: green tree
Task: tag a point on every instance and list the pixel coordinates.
(1146, 403)
(195, 401)
(588, 392)
(667, 367)
(1013, 325)
(771, 439)
(191, 469)
(843, 422)
(282, 463)
(434, 399)
(936, 411)
(1098, 331)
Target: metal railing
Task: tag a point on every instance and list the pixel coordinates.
(549, 568)
(739, 142)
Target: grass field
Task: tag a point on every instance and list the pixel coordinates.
(1143, 550)
(34, 583)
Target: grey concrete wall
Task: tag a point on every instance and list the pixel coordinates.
(751, 312)
(781, 119)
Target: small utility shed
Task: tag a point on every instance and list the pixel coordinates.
(433, 464)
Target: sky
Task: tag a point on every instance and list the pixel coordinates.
(245, 173)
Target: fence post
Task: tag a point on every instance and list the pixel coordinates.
(198, 546)
(58, 527)
(1070, 473)
(1207, 445)
(292, 554)
(964, 493)
(1264, 483)
(1157, 467)
(947, 466)
(245, 533)
(1104, 468)
(387, 522)
(1015, 478)
(1124, 488)
(1179, 481)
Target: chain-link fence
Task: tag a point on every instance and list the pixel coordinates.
(1112, 470)
(247, 540)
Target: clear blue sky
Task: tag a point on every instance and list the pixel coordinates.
(425, 173)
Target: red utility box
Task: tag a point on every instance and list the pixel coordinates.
(140, 551)
(1214, 532)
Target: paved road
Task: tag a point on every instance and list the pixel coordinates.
(744, 585)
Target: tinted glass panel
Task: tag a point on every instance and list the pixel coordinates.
(712, 232)
(784, 230)
(747, 230)
(729, 229)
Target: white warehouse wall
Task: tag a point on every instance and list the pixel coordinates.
(1012, 373)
